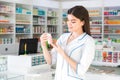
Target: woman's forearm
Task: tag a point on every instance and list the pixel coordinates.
(47, 55)
(71, 62)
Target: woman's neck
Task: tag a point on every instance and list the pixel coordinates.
(74, 34)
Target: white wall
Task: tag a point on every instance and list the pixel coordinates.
(112, 3)
(44, 3)
(20, 1)
(91, 3)
(68, 4)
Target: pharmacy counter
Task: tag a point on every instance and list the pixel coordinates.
(10, 76)
(33, 67)
(94, 73)
(103, 73)
(41, 75)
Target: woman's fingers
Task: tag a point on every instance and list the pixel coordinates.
(43, 37)
(54, 45)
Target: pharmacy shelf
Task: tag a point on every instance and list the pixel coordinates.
(7, 21)
(45, 20)
(39, 21)
(64, 21)
(96, 22)
(104, 24)
(107, 58)
(112, 22)
(23, 27)
(52, 22)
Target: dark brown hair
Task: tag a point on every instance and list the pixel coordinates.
(81, 13)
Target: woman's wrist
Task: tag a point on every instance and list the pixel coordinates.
(43, 45)
(64, 54)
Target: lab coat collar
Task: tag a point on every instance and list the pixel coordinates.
(82, 36)
(78, 39)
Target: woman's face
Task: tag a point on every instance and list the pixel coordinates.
(74, 24)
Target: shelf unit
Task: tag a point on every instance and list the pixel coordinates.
(112, 23)
(105, 26)
(96, 22)
(107, 58)
(39, 21)
(18, 21)
(52, 22)
(64, 21)
(23, 24)
(7, 21)
(45, 20)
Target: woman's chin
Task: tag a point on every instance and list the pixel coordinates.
(70, 30)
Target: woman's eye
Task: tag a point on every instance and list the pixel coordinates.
(73, 22)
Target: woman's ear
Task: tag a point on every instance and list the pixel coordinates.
(83, 22)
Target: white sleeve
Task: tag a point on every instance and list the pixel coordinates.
(54, 55)
(54, 52)
(87, 57)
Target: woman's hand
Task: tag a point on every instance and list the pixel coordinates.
(59, 49)
(72, 63)
(43, 39)
(47, 55)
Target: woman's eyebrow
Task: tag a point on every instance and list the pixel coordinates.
(73, 20)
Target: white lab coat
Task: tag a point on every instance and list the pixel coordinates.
(81, 50)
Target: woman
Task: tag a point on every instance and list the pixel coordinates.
(73, 51)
